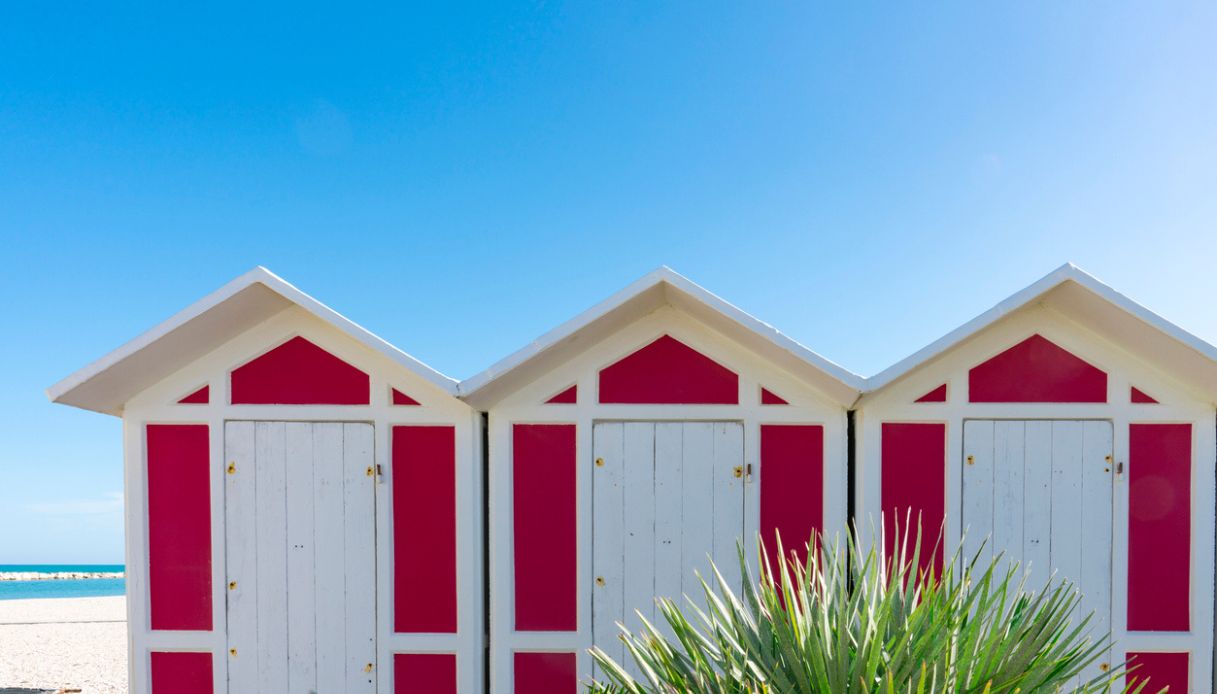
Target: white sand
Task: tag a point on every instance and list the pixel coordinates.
(76, 643)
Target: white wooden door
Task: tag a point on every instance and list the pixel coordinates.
(300, 553)
(1041, 492)
(665, 497)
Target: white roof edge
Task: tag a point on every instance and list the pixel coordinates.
(662, 274)
(1065, 273)
(258, 275)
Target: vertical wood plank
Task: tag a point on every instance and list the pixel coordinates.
(697, 463)
(978, 491)
(270, 449)
(669, 512)
(1067, 519)
(608, 547)
(728, 500)
(1008, 464)
(359, 503)
(1096, 503)
(240, 556)
(331, 589)
(1037, 503)
(639, 523)
(301, 603)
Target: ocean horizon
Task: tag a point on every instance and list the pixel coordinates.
(60, 587)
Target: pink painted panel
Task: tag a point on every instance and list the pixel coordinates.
(424, 673)
(1168, 670)
(570, 396)
(1036, 370)
(792, 487)
(179, 526)
(668, 371)
(202, 396)
(1159, 526)
(299, 372)
(543, 516)
(914, 482)
(939, 394)
(424, 529)
(545, 673)
(1138, 396)
(181, 672)
(400, 398)
(768, 397)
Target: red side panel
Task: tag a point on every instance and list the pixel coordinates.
(400, 398)
(792, 487)
(545, 673)
(299, 372)
(769, 398)
(668, 371)
(424, 529)
(202, 396)
(1138, 396)
(1036, 370)
(939, 394)
(180, 672)
(1159, 526)
(424, 673)
(914, 478)
(1161, 669)
(543, 500)
(179, 527)
(570, 396)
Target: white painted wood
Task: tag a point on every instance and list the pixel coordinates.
(306, 507)
(608, 543)
(665, 500)
(1008, 469)
(1095, 575)
(301, 597)
(669, 515)
(360, 545)
(1066, 551)
(1037, 495)
(728, 501)
(697, 462)
(328, 504)
(271, 523)
(241, 556)
(977, 520)
(639, 558)
(1048, 501)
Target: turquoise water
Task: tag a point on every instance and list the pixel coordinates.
(82, 588)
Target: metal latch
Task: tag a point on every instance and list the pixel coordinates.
(738, 470)
(232, 468)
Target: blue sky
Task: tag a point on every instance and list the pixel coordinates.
(461, 179)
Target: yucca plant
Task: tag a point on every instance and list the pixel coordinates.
(849, 620)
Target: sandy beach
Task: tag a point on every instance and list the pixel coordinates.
(72, 643)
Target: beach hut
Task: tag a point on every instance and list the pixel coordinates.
(1075, 430)
(656, 429)
(302, 502)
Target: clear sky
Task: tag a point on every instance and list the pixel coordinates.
(460, 180)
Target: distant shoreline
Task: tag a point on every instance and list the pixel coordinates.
(58, 575)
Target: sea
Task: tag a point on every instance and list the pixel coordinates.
(61, 587)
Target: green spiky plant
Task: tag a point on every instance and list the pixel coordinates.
(851, 621)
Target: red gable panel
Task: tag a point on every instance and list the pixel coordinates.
(299, 372)
(668, 372)
(939, 394)
(202, 396)
(1036, 370)
(768, 397)
(400, 398)
(1139, 396)
(567, 397)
